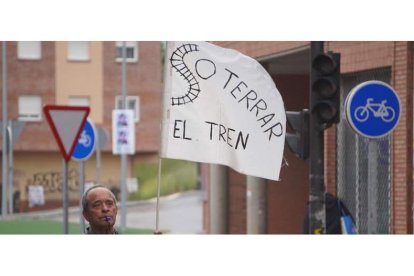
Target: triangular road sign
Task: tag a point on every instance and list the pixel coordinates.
(66, 123)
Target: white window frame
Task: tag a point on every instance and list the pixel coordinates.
(79, 101)
(132, 102)
(129, 45)
(30, 50)
(30, 108)
(78, 51)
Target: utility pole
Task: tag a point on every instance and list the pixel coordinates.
(256, 205)
(5, 133)
(123, 154)
(218, 199)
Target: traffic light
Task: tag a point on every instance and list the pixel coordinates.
(298, 142)
(325, 85)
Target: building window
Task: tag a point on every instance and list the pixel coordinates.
(78, 50)
(79, 101)
(29, 50)
(131, 51)
(132, 102)
(30, 108)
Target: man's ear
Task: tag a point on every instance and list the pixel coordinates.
(85, 214)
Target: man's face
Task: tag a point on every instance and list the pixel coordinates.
(101, 209)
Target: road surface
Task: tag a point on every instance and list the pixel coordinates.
(179, 213)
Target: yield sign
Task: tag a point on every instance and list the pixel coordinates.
(66, 123)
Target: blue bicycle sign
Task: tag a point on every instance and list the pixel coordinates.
(372, 109)
(379, 110)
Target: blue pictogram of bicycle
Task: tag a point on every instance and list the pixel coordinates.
(379, 110)
(373, 109)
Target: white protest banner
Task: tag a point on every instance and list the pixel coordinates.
(222, 107)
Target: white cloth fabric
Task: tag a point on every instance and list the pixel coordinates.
(222, 107)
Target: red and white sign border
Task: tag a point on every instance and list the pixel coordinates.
(47, 108)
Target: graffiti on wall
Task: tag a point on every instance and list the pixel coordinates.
(52, 182)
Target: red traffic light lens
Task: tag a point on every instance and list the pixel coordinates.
(324, 63)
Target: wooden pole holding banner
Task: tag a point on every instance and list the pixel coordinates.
(203, 114)
(157, 212)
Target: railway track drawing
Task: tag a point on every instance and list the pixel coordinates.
(177, 62)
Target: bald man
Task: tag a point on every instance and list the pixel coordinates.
(99, 209)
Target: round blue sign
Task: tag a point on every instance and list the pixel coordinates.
(373, 109)
(86, 142)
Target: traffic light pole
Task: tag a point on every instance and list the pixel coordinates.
(317, 220)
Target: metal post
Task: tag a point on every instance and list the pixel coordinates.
(372, 186)
(65, 199)
(100, 144)
(98, 158)
(317, 220)
(123, 155)
(81, 191)
(256, 205)
(4, 148)
(157, 209)
(11, 178)
(218, 199)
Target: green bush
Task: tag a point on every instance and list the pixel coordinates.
(176, 176)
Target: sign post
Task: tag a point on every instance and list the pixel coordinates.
(83, 150)
(123, 143)
(13, 130)
(101, 141)
(66, 123)
(373, 111)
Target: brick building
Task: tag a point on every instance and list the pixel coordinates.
(347, 157)
(78, 73)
